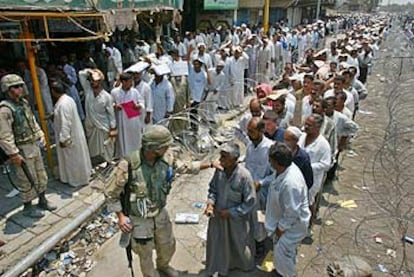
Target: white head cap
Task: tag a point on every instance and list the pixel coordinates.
(295, 131)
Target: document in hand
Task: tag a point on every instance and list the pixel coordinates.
(129, 109)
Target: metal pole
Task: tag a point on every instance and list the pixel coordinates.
(36, 88)
(266, 16)
(235, 17)
(318, 9)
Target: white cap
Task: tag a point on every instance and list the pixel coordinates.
(295, 131)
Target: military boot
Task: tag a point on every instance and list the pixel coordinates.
(169, 271)
(30, 211)
(44, 204)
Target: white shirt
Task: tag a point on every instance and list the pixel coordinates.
(344, 126)
(197, 83)
(349, 102)
(163, 99)
(257, 159)
(319, 152)
(287, 205)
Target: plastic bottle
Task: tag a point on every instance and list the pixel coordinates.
(125, 237)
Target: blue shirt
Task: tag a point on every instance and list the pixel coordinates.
(277, 136)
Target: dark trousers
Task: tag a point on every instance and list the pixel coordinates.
(330, 175)
(194, 116)
(363, 73)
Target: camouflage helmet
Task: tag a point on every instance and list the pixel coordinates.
(156, 137)
(10, 80)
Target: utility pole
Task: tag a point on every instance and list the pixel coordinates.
(266, 16)
(318, 9)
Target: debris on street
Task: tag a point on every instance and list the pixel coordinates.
(73, 257)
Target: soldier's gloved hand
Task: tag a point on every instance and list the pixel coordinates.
(17, 159)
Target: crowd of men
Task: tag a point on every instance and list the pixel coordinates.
(299, 122)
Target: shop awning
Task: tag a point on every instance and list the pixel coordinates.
(38, 5)
(84, 5)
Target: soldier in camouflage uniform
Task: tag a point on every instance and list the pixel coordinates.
(20, 136)
(149, 222)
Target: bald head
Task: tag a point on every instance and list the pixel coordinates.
(255, 129)
(255, 107)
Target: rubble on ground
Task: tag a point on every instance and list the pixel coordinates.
(73, 256)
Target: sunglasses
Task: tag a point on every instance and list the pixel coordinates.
(17, 86)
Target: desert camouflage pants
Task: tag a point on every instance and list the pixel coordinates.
(163, 241)
(34, 161)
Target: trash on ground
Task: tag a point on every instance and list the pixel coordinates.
(351, 154)
(349, 266)
(186, 218)
(348, 204)
(381, 268)
(202, 234)
(392, 253)
(329, 223)
(199, 205)
(267, 264)
(377, 238)
(408, 239)
(73, 257)
(12, 193)
(365, 112)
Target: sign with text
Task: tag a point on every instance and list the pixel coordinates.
(221, 4)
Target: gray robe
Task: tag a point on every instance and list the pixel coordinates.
(230, 242)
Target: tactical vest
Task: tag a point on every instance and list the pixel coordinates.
(149, 186)
(25, 128)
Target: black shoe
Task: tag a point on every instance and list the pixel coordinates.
(46, 206)
(33, 212)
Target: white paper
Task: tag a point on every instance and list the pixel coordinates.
(162, 69)
(261, 217)
(138, 67)
(179, 68)
(184, 218)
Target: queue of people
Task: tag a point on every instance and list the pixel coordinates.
(299, 123)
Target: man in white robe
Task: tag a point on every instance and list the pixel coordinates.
(287, 209)
(100, 123)
(256, 162)
(263, 62)
(214, 90)
(129, 127)
(144, 90)
(72, 150)
(238, 63)
(319, 152)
